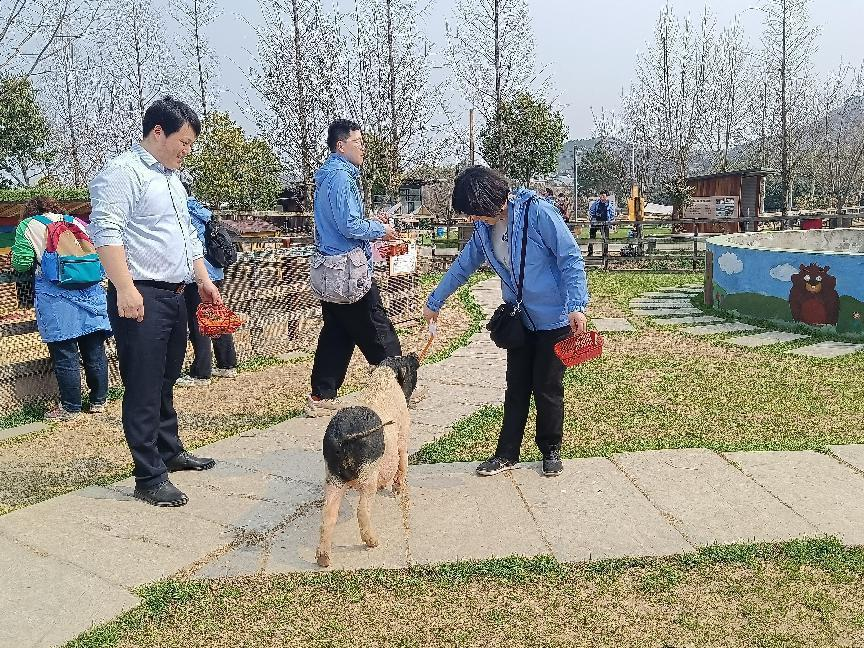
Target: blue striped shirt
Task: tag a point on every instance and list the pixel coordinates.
(139, 204)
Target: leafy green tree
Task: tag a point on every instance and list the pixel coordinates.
(229, 168)
(528, 141)
(24, 132)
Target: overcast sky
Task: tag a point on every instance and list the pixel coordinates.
(589, 47)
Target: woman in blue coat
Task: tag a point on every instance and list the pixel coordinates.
(555, 297)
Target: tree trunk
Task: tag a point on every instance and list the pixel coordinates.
(199, 57)
(305, 146)
(497, 63)
(393, 171)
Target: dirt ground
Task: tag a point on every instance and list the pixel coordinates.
(91, 449)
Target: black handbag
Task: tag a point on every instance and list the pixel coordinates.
(505, 326)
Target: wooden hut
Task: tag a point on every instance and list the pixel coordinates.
(725, 197)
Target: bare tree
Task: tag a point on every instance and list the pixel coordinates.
(788, 44)
(194, 16)
(389, 92)
(33, 32)
(491, 52)
(296, 80)
(667, 106)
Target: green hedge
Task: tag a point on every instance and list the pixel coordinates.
(55, 193)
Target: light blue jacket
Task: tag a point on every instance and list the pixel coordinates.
(555, 282)
(200, 217)
(611, 213)
(340, 225)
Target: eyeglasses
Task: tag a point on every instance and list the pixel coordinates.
(356, 142)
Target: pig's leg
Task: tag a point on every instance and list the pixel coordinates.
(364, 517)
(332, 499)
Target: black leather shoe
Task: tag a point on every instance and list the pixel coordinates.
(164, 494)
(186, 461)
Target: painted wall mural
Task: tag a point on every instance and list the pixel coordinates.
(820, 288)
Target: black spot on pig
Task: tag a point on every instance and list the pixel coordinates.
(353, 439)
(405, 368)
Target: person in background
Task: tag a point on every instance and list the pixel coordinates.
(72, 322)
(601, 213)
(555, 298)
(201, 369)
(342, 227)
(563, 205)
(549, 194)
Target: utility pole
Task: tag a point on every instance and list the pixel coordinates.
(575, 181)
(471, 137)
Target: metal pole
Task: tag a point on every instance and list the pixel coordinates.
(575, 181)
(471, 136)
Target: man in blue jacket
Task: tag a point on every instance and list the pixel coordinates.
(601, 213)
(554, 300)
(341, 226)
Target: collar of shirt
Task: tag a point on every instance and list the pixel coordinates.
(149, 160)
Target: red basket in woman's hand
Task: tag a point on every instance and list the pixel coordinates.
(579, 348)
(217, 319)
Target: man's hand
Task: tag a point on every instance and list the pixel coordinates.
(209, 292)
(390, 234)
(130, 303)
(578, 322)
(430, 315)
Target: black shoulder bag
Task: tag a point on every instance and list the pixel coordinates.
(505, 327)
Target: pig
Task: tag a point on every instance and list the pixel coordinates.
(366, 447)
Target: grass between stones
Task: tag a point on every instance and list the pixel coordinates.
(657, 389)
(91, 449)
(802, 593)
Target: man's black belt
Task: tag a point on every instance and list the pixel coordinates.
(162, 285)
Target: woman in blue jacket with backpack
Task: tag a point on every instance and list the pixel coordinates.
(554, 299)
(70, 319)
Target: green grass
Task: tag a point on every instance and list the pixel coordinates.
(466, 299)
(801, 593)
(660, 389)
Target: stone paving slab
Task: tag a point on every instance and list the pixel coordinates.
(422, 435)
(646, 302)
(709, 500)
(36, 616)
(21, 430)
(683, 289)
(293, 549)
(853, 454)
(817, 487)
(828, 350)
(107, 533)
(612, 325)
(666, 294)
(241, 561)
(467, 375)
(716, 329)
(304, 466)
(441, 413)
(592, 511)
(667, 312)
(244, 499)
(441, 393)
(765, 339)
(455, 515)
(675, 321)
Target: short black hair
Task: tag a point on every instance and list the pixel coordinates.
(550, 191)
(171, 115)
(480, 191)
(339, 131)
(604, 193)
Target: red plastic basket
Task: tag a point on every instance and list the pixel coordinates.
(217, 319)
(579, 348)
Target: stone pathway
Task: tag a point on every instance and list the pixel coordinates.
(672, 307)
(75, 560)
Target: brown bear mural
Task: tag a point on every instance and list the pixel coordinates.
(814, 298)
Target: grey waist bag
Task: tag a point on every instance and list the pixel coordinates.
(340, 278)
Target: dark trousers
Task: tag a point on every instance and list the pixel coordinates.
(204, 347)
(534, 369)
(603, 228)
(150, 355)
(364, 324)
(67, 368)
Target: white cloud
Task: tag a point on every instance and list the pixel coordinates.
(783, 272)
(730, 263)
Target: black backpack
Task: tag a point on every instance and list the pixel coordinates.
(219, 248)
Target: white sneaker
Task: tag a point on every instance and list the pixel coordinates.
(97, 408)
(323, 407)
(189, 381)
(224, 373)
